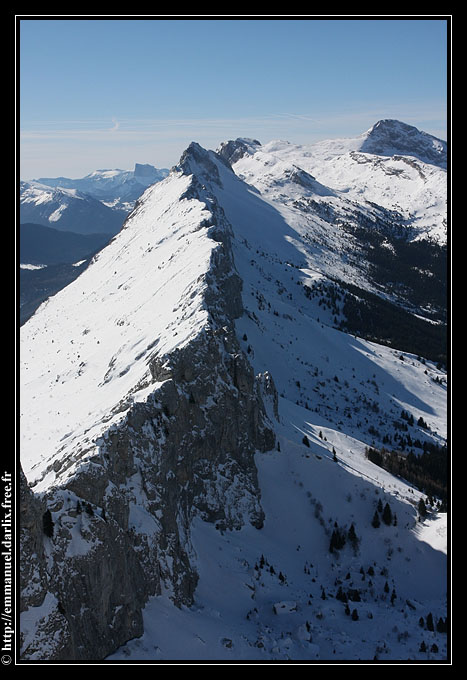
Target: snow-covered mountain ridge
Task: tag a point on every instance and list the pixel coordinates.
(392, 165)
(148, 410)
(173, 425)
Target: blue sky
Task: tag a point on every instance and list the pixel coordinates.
(106, 93)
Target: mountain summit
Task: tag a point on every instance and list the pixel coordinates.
(208, 414)
(391, 137)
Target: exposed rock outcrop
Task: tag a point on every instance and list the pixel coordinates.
(235, 149)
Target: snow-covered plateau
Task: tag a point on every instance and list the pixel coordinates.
(205, 439)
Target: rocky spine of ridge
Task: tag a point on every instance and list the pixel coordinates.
(98, 543)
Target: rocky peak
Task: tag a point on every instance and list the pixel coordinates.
(233, 150)
(201, 163)
(145, 170)
(390, 137)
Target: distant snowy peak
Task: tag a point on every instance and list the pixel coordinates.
(102, 174)
(392, 137)
(37, 193)
(145, 174)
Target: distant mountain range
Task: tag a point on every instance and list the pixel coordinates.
(115, 188)
(97, 203)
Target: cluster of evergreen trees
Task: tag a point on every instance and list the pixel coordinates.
(441, 625)
(428, 471)
(419, 267)
(383, 514)
(340, 537)
(429, 624)
(378, 320)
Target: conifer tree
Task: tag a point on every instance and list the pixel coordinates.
(337, 540)
(341, 595)
(422, 508)
(375, 521)
(352, 536)
(429, 622)
(387, 515)
(441, 626)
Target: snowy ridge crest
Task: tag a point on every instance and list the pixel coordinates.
(172, 434)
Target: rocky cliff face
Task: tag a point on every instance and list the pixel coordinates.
(120, 513)
(82, 587)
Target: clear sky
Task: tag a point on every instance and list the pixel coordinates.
(107, 93)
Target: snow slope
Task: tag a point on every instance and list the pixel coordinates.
(238, 613)
(95, 337)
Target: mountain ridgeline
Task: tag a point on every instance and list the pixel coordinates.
(197, 408)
